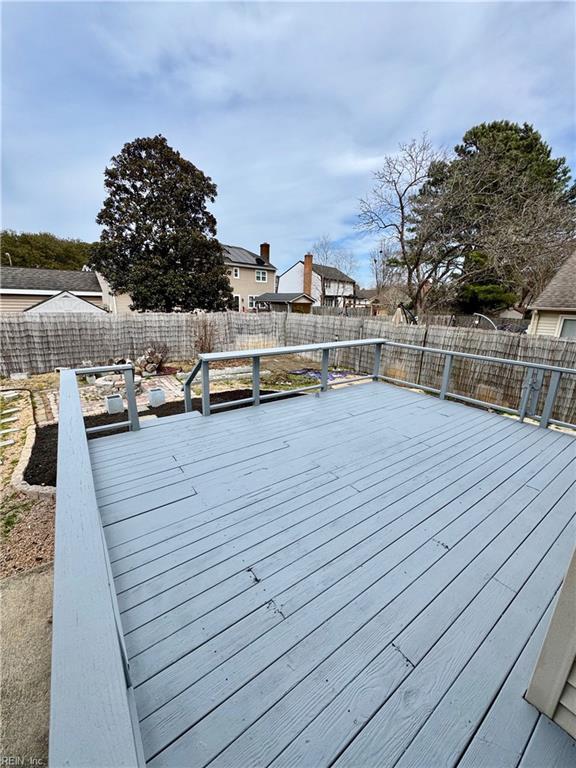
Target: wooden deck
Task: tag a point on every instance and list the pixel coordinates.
(358, 579)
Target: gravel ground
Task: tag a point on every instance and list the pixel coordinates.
(30, 541)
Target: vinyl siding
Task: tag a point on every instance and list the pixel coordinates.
(565, 714)
(246, 285)
(19, 302)
(552, 688)
(545, 323)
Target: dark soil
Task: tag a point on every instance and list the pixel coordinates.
(41, 469)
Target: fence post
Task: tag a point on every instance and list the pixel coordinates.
(446, 376)
(324, 373)
(256, 380)
(131, 399)
(377, 361)
(550, 399)
(205, 388)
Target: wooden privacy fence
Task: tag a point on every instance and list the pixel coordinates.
(36, 344)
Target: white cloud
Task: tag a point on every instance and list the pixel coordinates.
(289, 107)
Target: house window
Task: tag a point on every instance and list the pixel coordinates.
(261, 276)
(251, 302)
(236, 303)
(236, 272)
(568, 328)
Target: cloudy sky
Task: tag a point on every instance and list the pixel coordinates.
(287, 106)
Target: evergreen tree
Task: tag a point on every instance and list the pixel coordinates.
(43, 250)
(158, 241)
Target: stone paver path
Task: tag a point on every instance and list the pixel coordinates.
(46, 402)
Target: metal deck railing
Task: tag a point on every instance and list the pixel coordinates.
(528, 397)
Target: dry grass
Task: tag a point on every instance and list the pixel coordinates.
(26, 524)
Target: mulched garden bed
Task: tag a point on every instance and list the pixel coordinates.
(41, 469)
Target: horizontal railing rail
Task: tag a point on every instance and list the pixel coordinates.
(133, 422)
(203, 367)
(93, 718)
(528, 399)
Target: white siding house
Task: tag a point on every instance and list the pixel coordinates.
(328, 286)
(64, 302)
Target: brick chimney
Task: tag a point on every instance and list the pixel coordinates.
(307, 286)
(265, 252)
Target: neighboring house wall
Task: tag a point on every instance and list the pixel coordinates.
(116, 304)
(545, 323)
(292, 281)
(22, 301)
(244, 283)
(337, 289)
(65, 302)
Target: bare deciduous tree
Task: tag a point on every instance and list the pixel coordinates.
(392, 211)
(447, 222)
(328, 254)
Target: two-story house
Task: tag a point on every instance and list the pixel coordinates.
(22, 288)
(250, 274)
(328, 286)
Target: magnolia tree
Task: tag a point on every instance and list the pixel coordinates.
(158, 241)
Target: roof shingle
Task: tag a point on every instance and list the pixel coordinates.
(282, 298)
(26, 278)
(560, 293)
(331, 273)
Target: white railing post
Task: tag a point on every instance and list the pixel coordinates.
(205, 388)
(256, 379)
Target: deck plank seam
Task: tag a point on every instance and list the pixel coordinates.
(374, 714)
(493, 700)
(419, 577)
(469, 661)
(364, 501)
(464, 567)
(119, 470)
(520, 469)
(191, 435)
(434, 513)
(389, 476)
(327, 479)
(330, 477)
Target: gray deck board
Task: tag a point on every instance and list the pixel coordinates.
(360, 578)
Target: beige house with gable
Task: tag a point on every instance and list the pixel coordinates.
(250, 274)
(22, 288)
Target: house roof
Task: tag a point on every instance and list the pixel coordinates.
(26, 278)
(331, 273)
(283, 298)
(367, 293)
(242, 256)
(560, 293)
